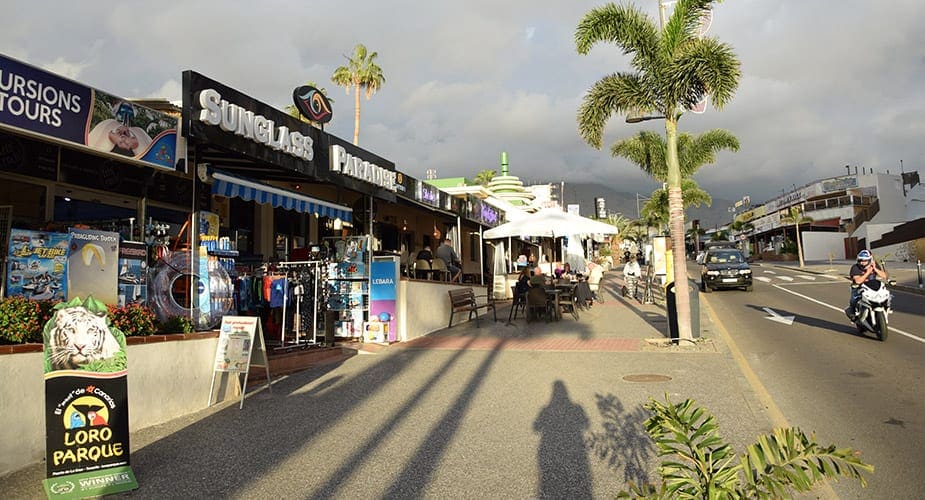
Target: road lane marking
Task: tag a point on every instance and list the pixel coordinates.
(842, 310)
(763, 278)
(811, 278)
(776, 316)
(786, 278)
(769, 272)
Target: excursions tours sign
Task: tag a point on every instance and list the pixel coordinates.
(86, 403)
(42, 103)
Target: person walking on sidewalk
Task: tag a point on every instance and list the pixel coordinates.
(865, 269)
(631, 274)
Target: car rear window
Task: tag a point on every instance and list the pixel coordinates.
(724, 256)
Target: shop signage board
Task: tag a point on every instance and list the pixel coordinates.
(313, 104)
(86, 404)
(93, 265)
(238, 336)
(42, 103)
(383, 287)
(133, 273)
(37, 265)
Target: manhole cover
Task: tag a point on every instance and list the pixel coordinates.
(647, 377)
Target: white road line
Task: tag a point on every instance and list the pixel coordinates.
(769, 272)
(786, 278)
(833, 277)
(842, 310)
(811, 278)
(763, 278)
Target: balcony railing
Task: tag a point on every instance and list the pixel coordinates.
(841, 201)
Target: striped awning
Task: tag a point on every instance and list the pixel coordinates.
(230, 186)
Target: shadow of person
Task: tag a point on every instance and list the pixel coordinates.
(562, 455)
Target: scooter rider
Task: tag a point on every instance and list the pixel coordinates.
(865, 269)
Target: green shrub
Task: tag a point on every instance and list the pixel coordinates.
(20, 320)
(176, 324)
(697, 463)
(133, 320)
(789, 246)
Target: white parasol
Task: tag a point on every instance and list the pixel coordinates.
(550, 223)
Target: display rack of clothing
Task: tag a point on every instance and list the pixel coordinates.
(303, 289)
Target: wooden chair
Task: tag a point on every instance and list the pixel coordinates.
(464, 300)
(440, 269)
(537, 304)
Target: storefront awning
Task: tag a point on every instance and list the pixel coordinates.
(231, 186)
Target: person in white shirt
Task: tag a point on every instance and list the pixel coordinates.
(631, 274)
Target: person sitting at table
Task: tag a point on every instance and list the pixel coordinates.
(538, 278)
(566, 272)
(523, 281)
(425, 254)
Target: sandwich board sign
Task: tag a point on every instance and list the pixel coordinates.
(237, 338)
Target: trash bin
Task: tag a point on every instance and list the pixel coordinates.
(672, 308)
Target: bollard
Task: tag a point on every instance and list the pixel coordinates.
(671, 309)
(918, 267)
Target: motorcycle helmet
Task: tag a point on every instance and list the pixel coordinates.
(864, 255)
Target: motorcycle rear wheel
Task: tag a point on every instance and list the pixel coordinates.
(882, 328)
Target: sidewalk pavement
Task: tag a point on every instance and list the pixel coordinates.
(521, 410)
(906, 274)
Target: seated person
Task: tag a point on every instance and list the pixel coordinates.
(448, 254)
(425, 254)
(523, 281)
(566, 272)
(538, 278)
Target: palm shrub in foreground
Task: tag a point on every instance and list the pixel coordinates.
(697, 463)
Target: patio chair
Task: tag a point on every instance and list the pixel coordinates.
(440, 269)
(422, 268)
(520, 302)
(537, 304)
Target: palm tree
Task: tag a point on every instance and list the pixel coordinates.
(691, 195)
(696, 234)
(361, 72)
(648, 151)
(484, 177)
(673, 69)
(721, 235)
(295, 113)
(796, 217)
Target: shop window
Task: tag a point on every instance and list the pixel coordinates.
(388, 236)
(28, 202)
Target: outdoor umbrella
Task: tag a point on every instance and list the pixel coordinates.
(550, 223)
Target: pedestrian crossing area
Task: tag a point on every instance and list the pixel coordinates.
(779, 276)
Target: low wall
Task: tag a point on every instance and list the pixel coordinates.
(424, 307)
(166, 380)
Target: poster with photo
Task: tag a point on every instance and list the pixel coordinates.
(93, 265)
(133, 273)
(37, 265)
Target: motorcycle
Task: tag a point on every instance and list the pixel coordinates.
(873, 308)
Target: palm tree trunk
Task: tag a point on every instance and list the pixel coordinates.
(799, 245)
(356, 115)
(676, 226)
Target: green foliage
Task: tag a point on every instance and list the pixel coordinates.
(134, 320)
(697, 463)
(176, 324)
(789, 246)
(20, 320)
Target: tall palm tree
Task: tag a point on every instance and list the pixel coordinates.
(360, 73)
(673, 69)
(691, 195)
(484, 177)
(294, 111)
(648, 151)
(795, 216)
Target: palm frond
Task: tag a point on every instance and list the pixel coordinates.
(645, 149)
(625, 26)
(706, 67)
(613, 94)
(683, 23)
(695, 152)
(788, 459)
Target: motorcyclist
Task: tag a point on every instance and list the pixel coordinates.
(865, 269)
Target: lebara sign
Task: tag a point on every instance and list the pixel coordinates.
(41, 103)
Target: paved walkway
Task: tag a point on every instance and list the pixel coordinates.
(538, 410)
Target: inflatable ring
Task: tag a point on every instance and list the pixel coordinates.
(176, 266)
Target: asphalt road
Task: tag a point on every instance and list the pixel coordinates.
(851, 390)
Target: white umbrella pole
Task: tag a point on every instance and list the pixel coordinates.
(481, 257)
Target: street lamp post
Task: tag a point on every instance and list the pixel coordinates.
(638, 196)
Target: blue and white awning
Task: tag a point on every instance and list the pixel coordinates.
(230, 186)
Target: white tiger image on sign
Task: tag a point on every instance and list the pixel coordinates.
(79, 336)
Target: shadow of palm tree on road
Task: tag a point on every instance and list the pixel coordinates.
(623, 442)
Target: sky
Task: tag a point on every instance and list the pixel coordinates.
(824, 84)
